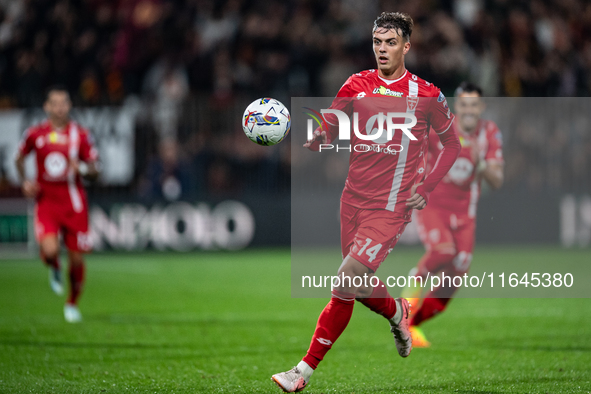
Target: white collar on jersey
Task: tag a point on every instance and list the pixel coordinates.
(391, 81)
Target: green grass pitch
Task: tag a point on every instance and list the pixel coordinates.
(225, 322)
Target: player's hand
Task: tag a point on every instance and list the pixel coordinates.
(474, 151)
(75, 164)
(30, 189)
(416, 201)
(317, 136)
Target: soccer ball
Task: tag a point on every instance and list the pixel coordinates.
(266, 121)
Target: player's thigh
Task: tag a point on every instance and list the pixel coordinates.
(46, 227)
(435, 231)
(464, 237)
(377, 233)
(76, 231)
(348, 216)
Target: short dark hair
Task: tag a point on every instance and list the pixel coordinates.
(399, 21)
(55, 88)
(468, 87)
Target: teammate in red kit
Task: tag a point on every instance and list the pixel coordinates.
(447, 227)
(386, 181)
(65, 154)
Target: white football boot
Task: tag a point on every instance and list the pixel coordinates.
(72, 313)
(55, 281)
(295, 379)
(400, 328)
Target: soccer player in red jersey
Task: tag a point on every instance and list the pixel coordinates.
(385, 182)
(447, 227)
(65, 154)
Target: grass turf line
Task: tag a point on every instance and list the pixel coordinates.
(224, 322)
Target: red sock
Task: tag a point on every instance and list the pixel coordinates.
(331, 324)
(76, 281)
(429, 308)
(380, 301)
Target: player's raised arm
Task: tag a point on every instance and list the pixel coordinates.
(327, 134)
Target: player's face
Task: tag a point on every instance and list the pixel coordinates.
(389, 48)
(58, 106)
(468, 108)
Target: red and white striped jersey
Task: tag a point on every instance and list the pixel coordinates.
(55, 149)
(459, 190)
(382, 173)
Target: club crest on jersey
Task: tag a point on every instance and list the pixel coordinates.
(384, 91)
(411, 103)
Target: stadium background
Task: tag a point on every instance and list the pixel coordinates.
(162, 85)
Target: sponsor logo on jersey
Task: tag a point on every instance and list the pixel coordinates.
(361, 95)
(55, 164)
(384, 91)
(461, 171)
(56, 138)
(464, 141)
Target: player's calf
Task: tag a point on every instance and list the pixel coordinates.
(55, 281)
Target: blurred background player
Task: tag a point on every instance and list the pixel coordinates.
(381, 189)
(65, 154)
(447, 226)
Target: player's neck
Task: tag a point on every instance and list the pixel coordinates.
(466, 130)
(58, 124)
(395, 74)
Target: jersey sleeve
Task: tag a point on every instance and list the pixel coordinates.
(27, 143)
(440, 116)
(342, 102)
(87, 151)
(495, 144)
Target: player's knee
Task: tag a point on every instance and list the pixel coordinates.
(352, 278)
(76, 258)
(363, 292)
(444, 252)
(462, 260)
(436, 259)
(49, 249)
